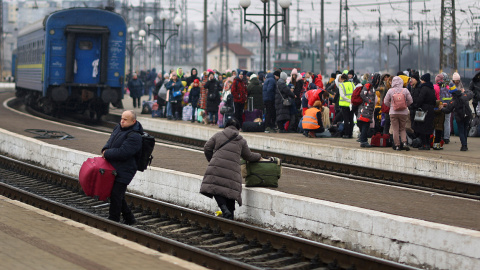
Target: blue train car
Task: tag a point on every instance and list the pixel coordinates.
(469, 64)
(73, 60)
(14, 64)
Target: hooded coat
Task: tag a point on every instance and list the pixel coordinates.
(269, 88)
(367, 108)
(213, 95)
(136, 88)
(239, 90)
(192, 77)
(397, 87)
(120, 151)
(475, 87)
(319, 81)
(460, 105)
(426, 101)
(223, 175)
(283, 92)
(254, 90)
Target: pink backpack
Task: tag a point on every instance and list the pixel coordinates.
(398, 101)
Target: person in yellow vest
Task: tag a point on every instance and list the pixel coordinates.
(345, 89)
(312, 120)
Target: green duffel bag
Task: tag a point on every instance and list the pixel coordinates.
(264, 173)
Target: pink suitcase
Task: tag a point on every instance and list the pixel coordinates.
(96, 178)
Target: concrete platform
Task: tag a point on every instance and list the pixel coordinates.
(31, 238)
(449, 163)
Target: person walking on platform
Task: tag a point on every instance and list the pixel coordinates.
(346, 90)
(223, 178)
(463, 114)
(283, 112)
(426, 101)
(120, 150)
(398, 99)
(136, 90)
(268, 94)
(239, 93)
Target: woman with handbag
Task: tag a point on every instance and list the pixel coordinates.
(398, 99)
(283, 100)
(175, 88)
(424, 107)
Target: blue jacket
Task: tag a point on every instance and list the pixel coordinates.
(136, 88)
(269, 88)
(178, 86)
(120, 151)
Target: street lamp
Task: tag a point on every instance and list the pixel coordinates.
(353, 51)
(163, 30)
(400, 48)
(334, 53)
(265, 34)
(131, 49)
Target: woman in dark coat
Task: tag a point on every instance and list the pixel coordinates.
(474, 87)
(426, 101)
(213, 98)
(255, 90)
(223, 178)
(283, 112)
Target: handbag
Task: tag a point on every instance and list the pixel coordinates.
(286, 101)
(176, 93)
(420, 116)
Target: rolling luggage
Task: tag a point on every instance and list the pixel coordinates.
(253, 127)
(96, 178)
(252, 115)
(187, 113)
(381, 140)
(264, 173)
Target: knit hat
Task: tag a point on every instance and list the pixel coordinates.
(456, 76)
(229, 74)
(345, 71)
(439, 78)
(351, 72)
(253, 76)
(211, 72)
(425, 77)
(249, 74)
(294, 71)
(333, 75)
(276, 73)
(196, 81)
(283, 75)
(299, 78)
(416, 76)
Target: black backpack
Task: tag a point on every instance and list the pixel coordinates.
(144, 157)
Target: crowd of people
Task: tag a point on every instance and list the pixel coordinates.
(412, 110)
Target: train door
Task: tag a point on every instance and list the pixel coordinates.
(86, 68)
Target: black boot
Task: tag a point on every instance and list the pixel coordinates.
(225, 212)
(129, 219)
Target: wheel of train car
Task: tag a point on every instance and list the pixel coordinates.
(59, 94)
(46, 105)
(109, 95)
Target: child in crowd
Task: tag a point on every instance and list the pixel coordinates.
(438, 122)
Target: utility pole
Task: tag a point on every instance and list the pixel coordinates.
(322, 39)
(221, 41)
(410, 23)
(1, 41)
(379, 41)
(205, 34)
(226, 33)
(419, 66)
(428, 51)
(347, 54)
(448, 38)
(340, 35)
(268, 42)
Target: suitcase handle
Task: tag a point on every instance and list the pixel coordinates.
(102, 172)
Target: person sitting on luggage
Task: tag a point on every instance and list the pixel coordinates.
(312, 120)
(194, 96)
(120, 150)
(223, 178)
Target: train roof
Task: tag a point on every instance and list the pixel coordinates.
(31, 28)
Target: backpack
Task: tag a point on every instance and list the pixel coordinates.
(144, 157)
(356, 99)
(398, 101)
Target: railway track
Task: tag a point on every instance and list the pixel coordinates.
(419, 182)
(204, 239)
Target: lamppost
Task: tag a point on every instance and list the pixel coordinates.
(400, 48)
(354, 51)
(163, 30)
(265, 34)
(131, 49)
(334, 53)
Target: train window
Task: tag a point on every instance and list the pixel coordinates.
(282, 56)
(85, 45)
(293, 56)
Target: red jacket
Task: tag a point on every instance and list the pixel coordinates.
(313, 95)
(239, 91)
(319, 81)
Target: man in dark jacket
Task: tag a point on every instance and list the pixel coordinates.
(269, 89)
(426, 101)
(120, 150)
(135, 86)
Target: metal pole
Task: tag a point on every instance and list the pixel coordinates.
(399, 51)
(353, 54)
(162, 45)
(131, 56)
(264, 36)
(241, 27)
(322, 42)
(204, 35)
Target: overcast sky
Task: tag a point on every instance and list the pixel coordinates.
(306, 13)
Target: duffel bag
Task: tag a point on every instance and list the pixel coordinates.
(253, 127)
(381, 140)
(264, 173)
